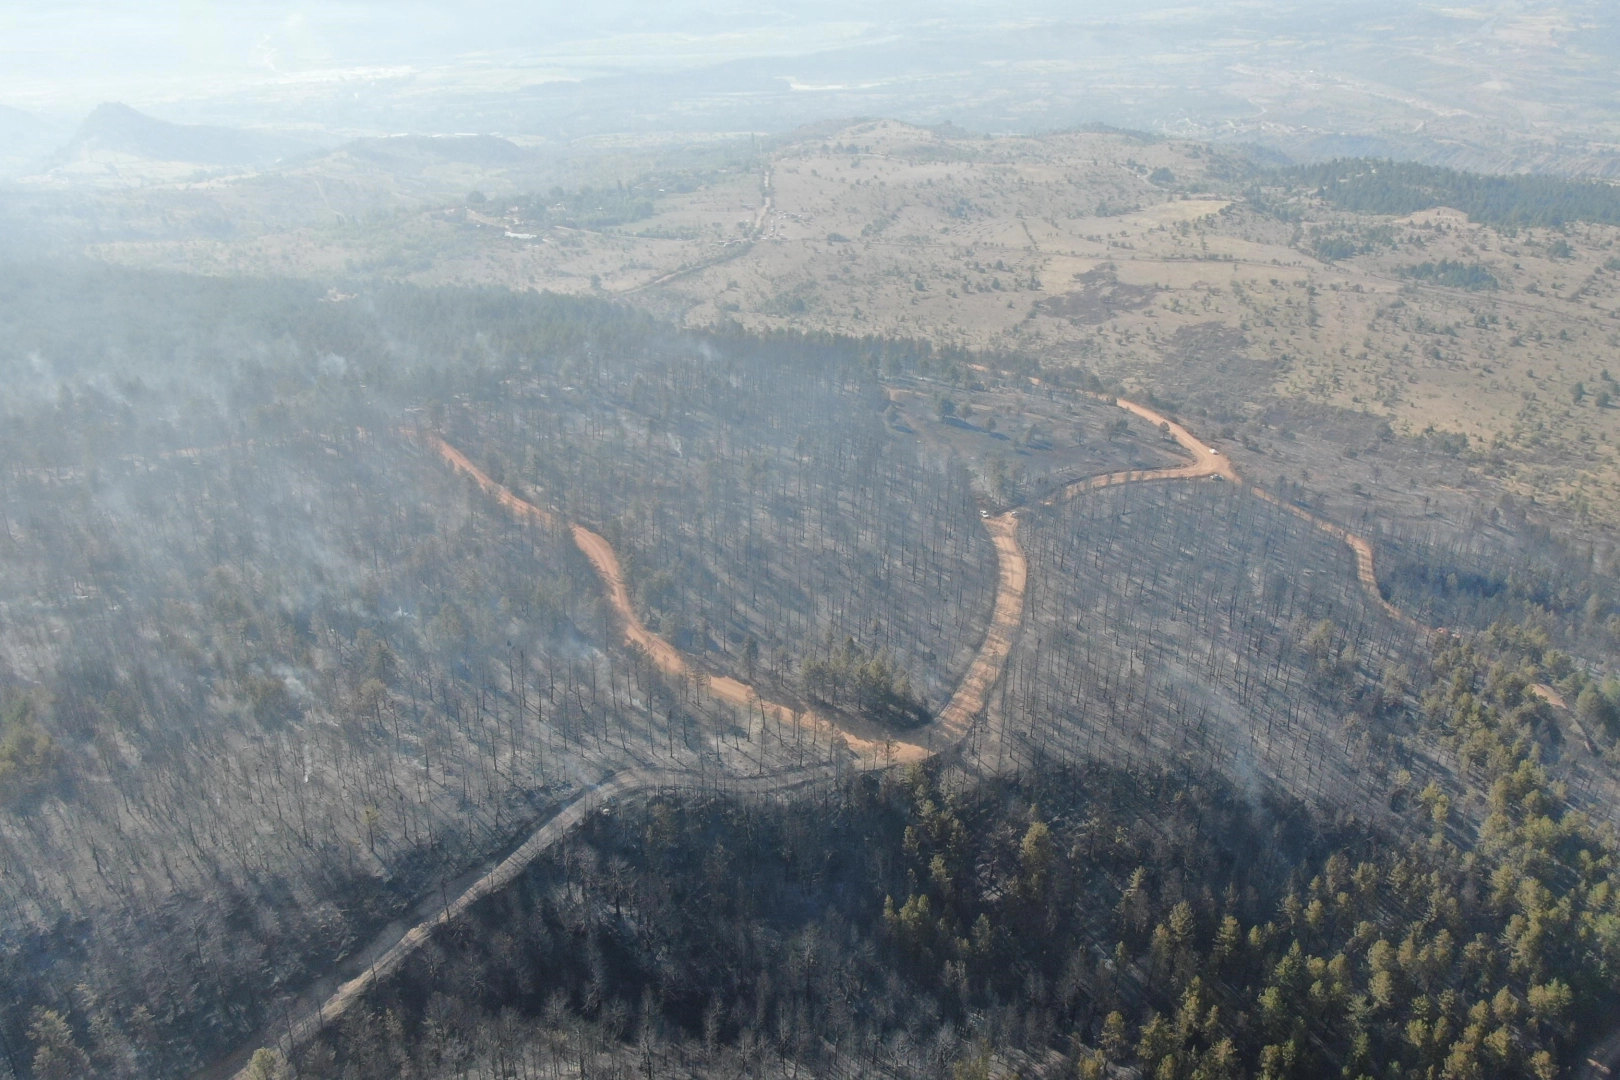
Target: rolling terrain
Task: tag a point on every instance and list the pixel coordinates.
(879, 600)
(1302, 328)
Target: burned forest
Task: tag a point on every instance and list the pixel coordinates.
(461, 682)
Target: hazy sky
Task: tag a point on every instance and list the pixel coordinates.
(1290, 73)
(63, 58)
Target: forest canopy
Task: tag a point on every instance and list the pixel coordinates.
(1371, 186)
(324, 676)
(1453, 275)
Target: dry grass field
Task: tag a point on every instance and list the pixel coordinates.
(1135, 259)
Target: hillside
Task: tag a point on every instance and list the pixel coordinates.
(276, 636)
(119, 145)
(1235, 293)
(25, 140)
(1070, 922)
(281, 659)
(821, 541)
(884, 600)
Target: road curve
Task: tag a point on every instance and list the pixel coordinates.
(875, 747)
(956, 719)
(1366, 572)
(1208, 462)
(872, 744)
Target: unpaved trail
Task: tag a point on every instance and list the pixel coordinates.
(874, 747)
(503, 874)
(461, 463)
(756, 230)
(868, 744)
(1603, 1058)
(973, 691)
(1207, 462)
(1360, 545)
(297, 1033)
(765, 205)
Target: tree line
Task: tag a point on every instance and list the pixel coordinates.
(1071, 919)
(1372, 186)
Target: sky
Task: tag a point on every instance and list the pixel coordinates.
(64, 58)
(1309, 77)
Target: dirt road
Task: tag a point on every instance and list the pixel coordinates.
(1359, 545)
(765, 204)
(1604, 1056)
(875, 747)
(1209, 462)
(955, 720)
(756, 230)
(1206, 460)
(389, 960)
(461, 463)
(504, 873)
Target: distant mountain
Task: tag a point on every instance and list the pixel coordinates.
(119, 130)
(396, 151)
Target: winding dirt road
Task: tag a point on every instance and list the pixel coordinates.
(871, 744)
(1208, 462)
(973, 692)
(1359, 545)
(874, 747)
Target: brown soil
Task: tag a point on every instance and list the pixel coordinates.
(974, 690)
(870, 742)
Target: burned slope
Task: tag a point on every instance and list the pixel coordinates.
(1073, 921)
(1197, 621)
(268, 672)
(269, 694)
(769, 520)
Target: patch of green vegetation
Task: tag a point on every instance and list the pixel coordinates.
(1336, 248)
(1145, 922)
(1367, 186)
(593, 208)
(871, 686)
(1453, 275)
